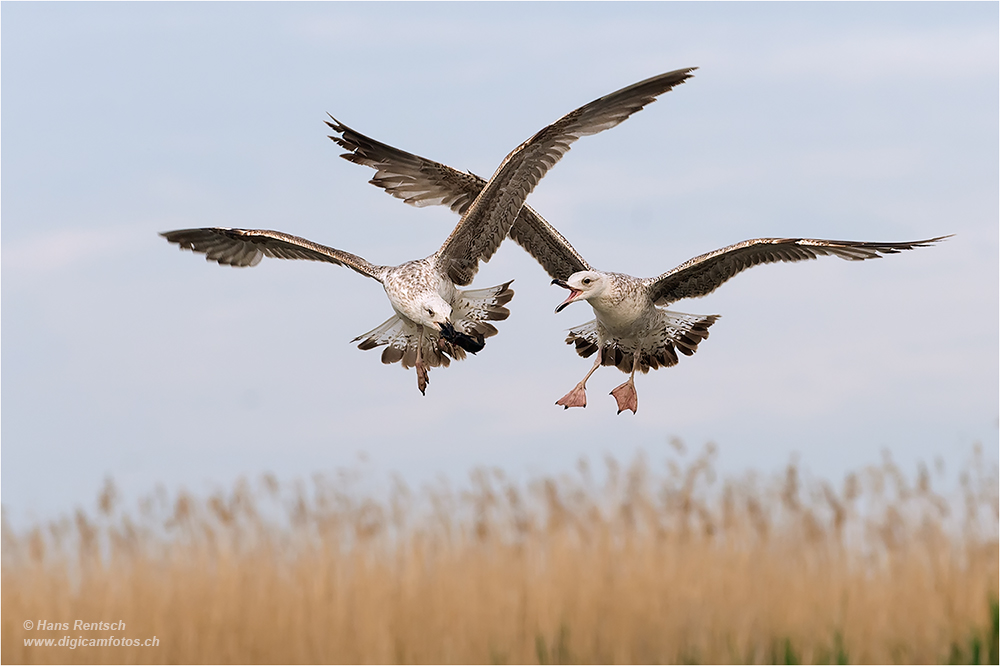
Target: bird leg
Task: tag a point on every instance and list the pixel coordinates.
(578, 396)
(422, 379)
(625, 394)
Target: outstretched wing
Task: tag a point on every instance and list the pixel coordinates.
(703, 275)
(546, 245)
(490, 216)
(422, 182)
(417, 181)
(246, 247)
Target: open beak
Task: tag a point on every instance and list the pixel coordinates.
(573, 294)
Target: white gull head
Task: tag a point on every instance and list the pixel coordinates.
(430, 310)
(583, 285)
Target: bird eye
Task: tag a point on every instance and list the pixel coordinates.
(430, 312)
(586, 280)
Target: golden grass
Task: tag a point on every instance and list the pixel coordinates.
(639, 566)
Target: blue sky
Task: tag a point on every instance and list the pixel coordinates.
(125, 357)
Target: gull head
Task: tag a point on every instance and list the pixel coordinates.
(432, 311)
(583, 285)
(435, 313)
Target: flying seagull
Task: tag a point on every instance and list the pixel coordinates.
(433, 319)
(632, 329)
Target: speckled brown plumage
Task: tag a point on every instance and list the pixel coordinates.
(632, 331)
(434, 320)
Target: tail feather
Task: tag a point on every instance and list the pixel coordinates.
(585, 338)
(474, 307)
(390, 355)
(401, 337)
(409, 356)
(676, 332)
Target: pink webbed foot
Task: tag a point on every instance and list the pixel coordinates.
(626, 397)
(575, 398)
(422, 378)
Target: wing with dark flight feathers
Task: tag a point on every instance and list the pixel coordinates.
(246, 247)
(704, 274)
(488, 219)
(417, 181)
(422, 182)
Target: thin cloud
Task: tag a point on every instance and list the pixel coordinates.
(65, 249)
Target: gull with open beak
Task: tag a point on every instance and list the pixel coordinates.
(632, 329)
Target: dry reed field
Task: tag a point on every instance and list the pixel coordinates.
(618, 564)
